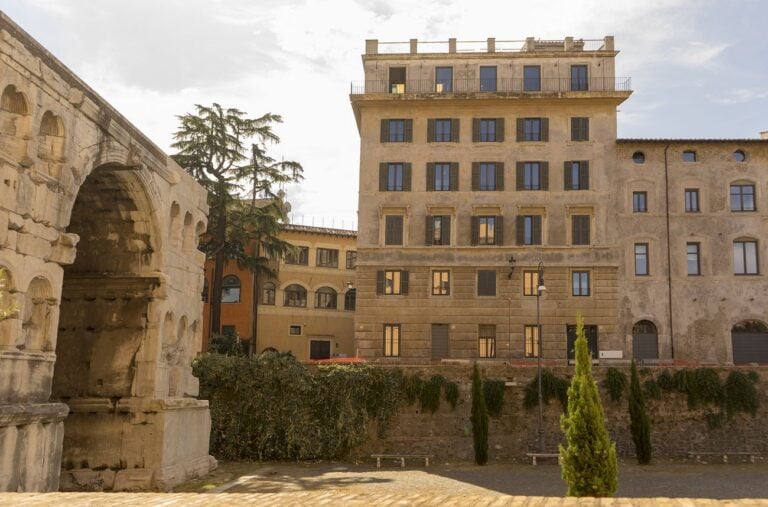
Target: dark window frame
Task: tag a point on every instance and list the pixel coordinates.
(326, 298)
(351, 259)
(697, 253)
(740, 196)
(268, 293)
(689, 156)
(532, 340)
(530, 282)
(350, 299)
(581, 283)
(486, 340)
(231, 283)
(443, 130)
(327, 257)
(487, 222)
(443, 175)
(642, 255)
(487, 177)
(639, 201)
(443, 288)
(295, 296)
(692, 201)
(488, 130)
(579, 83)
(532, 176)
(446, 82)
(390, 240)
(488, 84)
(294, 327)
(391, 345)
(529, 228)
(396, 277)
(397, 134)
(745, 257)
(532, 83)
(532, 129)
(483, 282)
(300, 259)
(580, 129)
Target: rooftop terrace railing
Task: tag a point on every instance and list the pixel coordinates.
(504, 85)
(490, 45)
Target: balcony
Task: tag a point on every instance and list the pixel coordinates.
(504, 85)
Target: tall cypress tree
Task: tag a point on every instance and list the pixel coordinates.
(589, 462)
(640, 423)
(479, 418)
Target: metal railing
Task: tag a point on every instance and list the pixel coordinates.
(504, 85)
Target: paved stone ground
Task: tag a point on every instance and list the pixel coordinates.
(442, 485)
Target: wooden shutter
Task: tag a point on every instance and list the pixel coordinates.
(536, 230)
(446, 229)
(475, 175)
(580, 230)
(585, 128)
(384, 131)
(454, 176)
(475, 232)
(407, 177)
(544, 176)
(520, 129)
(431, 130)
(520, 230)
(475, 130)
(383, 177)
(545, 129)
(575, 230)
(567, 184)
(520, 176)
(429, 230)
(498, 231)
(499, 175)
(430, 176)
(584, 175)
(455, 130)
(397, 230)
(404, 282)
(500, 130)
(575, 129)
(408, 131)
(380, 282)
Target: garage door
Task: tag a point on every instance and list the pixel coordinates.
(750, 342)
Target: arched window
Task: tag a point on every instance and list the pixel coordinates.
(644, 327)
(268, 294)
(325, 297)
(350, 299)
(230, 289)
(750, 326)
(295, 295)
(645, 340)
(13, 101)
(204, 294)
(51, 125)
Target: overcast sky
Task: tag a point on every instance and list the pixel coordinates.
(699, 68)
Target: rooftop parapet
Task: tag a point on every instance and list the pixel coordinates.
(490, 45)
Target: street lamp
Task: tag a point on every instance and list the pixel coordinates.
(541, 288)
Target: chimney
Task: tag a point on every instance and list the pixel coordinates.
(764, 134)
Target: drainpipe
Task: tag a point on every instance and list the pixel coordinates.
(669, 255)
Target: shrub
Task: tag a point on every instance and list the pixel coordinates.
(429, 397)
(666, 381)
(651, 389)
(740, 394)
(493, 392)
(413, 385)
(452, 394)
(589, 461)
(479, 419)
(616, 382)
(552, 386)
(640, 423)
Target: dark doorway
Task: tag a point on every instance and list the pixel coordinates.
(750, 342)
(645, 340)
(319, 349)
(440, 342)
(591, 333)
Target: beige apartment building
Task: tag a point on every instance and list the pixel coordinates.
(483, 166)
(307, 310)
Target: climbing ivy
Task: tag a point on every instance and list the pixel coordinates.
(493, 391)
(552, 386)
(452, 394)
(615, 382)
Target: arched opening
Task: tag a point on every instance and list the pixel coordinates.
(188, 234)
(230, 289)
(325, 297)
(13, 101)
(106, 331)
(350, 299)
(38, 313)
(50, 142)
(750, 342)
(295, 295)
(15, 122)
(645, 340)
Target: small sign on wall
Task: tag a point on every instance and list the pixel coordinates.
(611, 354)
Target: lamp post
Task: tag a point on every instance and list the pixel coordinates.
(539, 289)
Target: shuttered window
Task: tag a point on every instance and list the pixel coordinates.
(487, 340)
(532, 129)
(579, 129)
(391, 340)
(442, 176)
(576, 175)
(438, 230)
(580, 229)
(486, 282)
(532, 176)
(396, 131)
(392, 282)
(487, 230)
(443, 130)
(487, 130)
(528, 230)
(395, 177)
(393, 230)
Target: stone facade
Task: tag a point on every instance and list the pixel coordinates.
(321, 322)
(512, 147)
(98, 232)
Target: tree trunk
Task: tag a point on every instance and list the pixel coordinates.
(218, 271)
(254, 307)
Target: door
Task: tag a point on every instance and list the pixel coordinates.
(750, 342)
(397, 79)
(440, 341)
(319, 349)
(645, 340)
(591, 334)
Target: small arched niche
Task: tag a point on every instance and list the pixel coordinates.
(50, 144)
(13, 101)
(39, 305)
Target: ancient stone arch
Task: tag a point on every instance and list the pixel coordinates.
(96, 388)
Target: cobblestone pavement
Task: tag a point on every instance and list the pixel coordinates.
(443, 485)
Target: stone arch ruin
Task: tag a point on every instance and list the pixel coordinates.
(96, 386)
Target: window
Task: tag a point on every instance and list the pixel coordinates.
(576, 175)
(530, 283)
(487, 340)
(487, 176)
(742, 198)
(580, 230)
(443, 130)
(397, 79)
(438, 230)
(531, 78)
(692, 200)
(532, 176)
(487, 132)
(350, 299)
(580, 285)
(443, 79)
(689, 156)
(745, 257)
(294, 330)
(300, 257)
(694, 264)
(739, 156)
(351, 259)
(638, 157)
(394, 178)
(441, 283)
(641, 259)
(531, 334)
(392, 282)
(639, 202)
(325, 297)
(529, 229)
(268, 294)
(396, 131)
(579, 79)
(532, 129)
(442, 177)
(230, 289)
(393, 229)
(486, 282)
(327, 258)
(487, 79)
(295, 295)
(391, 340)
(485, 230)
(228, 330)
(579, 129)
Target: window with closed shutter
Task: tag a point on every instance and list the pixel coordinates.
(580, 229)
(529, 230)
(576, 175)
(579, 129)
(486, 282)
(393, 230)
